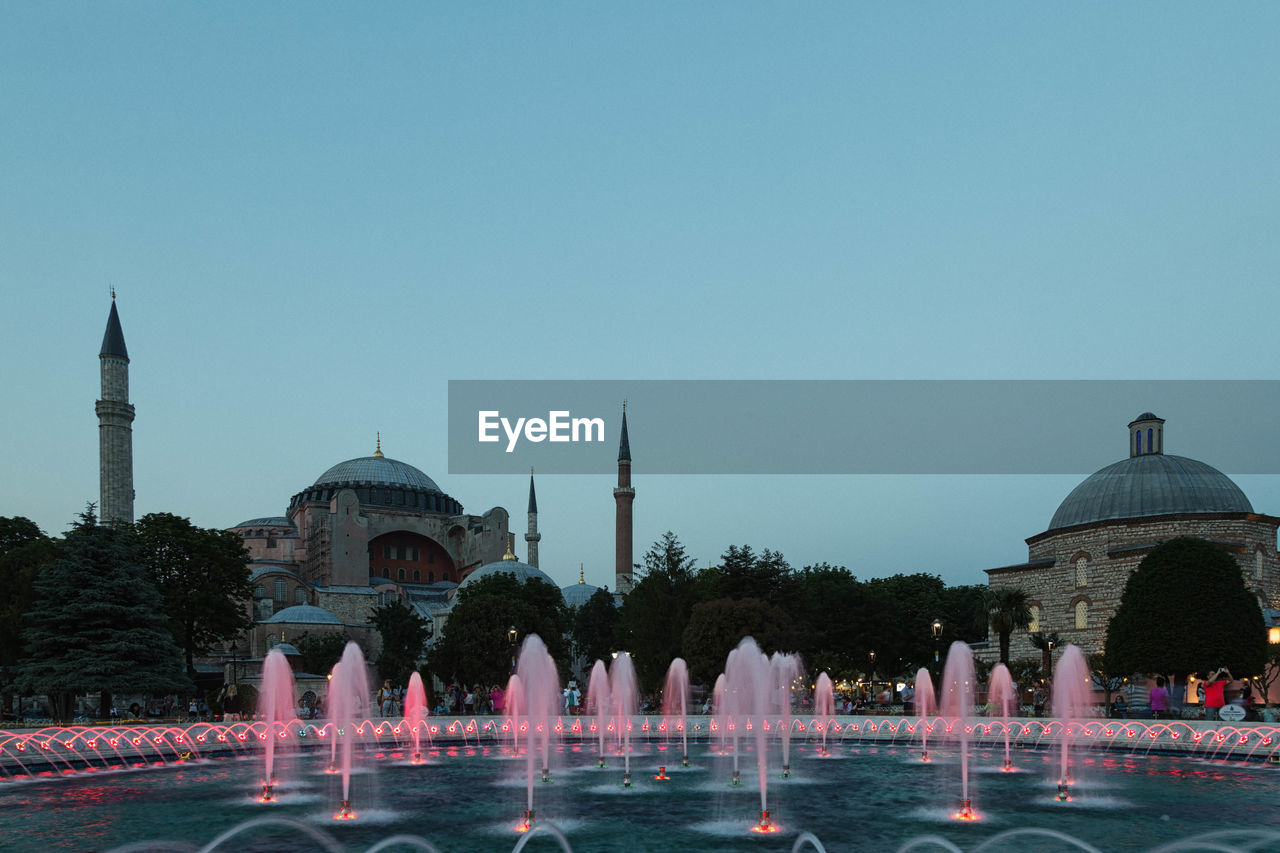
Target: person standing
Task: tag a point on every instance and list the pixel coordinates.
(386, 698)
(1159, 699)
(1215, 693)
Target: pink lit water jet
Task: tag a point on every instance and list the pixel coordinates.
(1001, 697)
(348, 704)
(957, 704)
(924, 703)
(539, 684)
(748, 690)
(1072, 694)
(599, 702)
(675, 703)
(415, 713)
(824, 706)
(785, 670)
(624, 695)
(277, 709)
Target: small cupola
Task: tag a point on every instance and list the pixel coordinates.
(1146, 435)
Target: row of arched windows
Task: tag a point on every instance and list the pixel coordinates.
(1080, 610)
(416, 575)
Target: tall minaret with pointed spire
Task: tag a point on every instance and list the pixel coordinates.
(533, 537)
(115, 426)
(623, 494)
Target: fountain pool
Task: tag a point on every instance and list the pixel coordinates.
(866, 795)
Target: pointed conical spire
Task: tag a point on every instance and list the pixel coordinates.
(113, 340)
(533, 497)
(624, 445)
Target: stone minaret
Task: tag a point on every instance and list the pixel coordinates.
(115, 426)
(623, 495)
(533, 537)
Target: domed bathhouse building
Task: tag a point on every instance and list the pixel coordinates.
(368, 530)
(1076, 570)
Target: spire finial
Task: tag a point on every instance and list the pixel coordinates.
(582, 578)
(510, 555)
(378, 452)
(113, 293)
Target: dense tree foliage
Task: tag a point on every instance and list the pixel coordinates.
(717, 626)
(96, 623)
(473, 648)
(656, 612)
(321, 651)
(1186, 609)
(404, 635)
(203, 576)
(24, 550)
(593, 629)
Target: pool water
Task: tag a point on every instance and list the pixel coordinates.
(864, 797)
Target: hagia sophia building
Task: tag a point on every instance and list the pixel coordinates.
(373, 529)
(368, 531)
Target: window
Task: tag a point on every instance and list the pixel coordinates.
(281, 590)
(1082, 614)
(260, 592)
(1257, 565)
(299, 595)
(400, 574)
(1033, 624)
(271, 541)
(417, 575)
(1082, 571)
(1151, 447)
(386, 551)
(386, 573)
(1137, 436)
(431, 577)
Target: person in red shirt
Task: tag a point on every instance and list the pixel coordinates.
(1214, 690)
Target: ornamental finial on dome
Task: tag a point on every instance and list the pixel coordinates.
(377, 453)
(510, 546)
(582, 578)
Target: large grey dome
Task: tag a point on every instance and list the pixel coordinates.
(305, 614)
(376, 471)
(522, 571)
(1154, 484)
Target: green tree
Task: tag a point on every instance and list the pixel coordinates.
(716, 627)
(473, 647)
(1046, 643)
(321, 652)
(655, 613)
(904, 609)
(594, 627)
(24, 551)
(1105, 676)
(1007, 608)
(203, 577)
(404, 635)
(830, 611)
(97, 624)
(1186, 609)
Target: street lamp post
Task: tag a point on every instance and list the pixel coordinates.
(936, 627)
(512, 636)
(871, 679)
(1049, 673)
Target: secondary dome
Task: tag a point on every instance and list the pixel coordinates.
(376, 471)
(1153, 484)
(305, 614)
(511, 566)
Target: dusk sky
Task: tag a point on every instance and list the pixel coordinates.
(316, 215)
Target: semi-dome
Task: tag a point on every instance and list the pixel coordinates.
(1147, 485)
(376, 471)
(305, 614)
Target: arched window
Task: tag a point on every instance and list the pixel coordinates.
(1033, 625)
(299, 595)
(417, 576)
(1137, 437)
(386, 573)
(1150, 443)
(1257, 565)
(281, 590)
(400, 574)
(1082, 571)
(260, 592)
(1082, 614)
(431, 577)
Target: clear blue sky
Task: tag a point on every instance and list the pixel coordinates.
(316, 215)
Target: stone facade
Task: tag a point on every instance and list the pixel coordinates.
(1089, 565)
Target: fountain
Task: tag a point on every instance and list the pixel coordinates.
(537, 693)
(1072, 693)
(1001, 696)
(348, 702)
(275, 704)
(957, 703)
(624, 697)
(675, 703)
(415, 714)
(785, 670)
(598, 702)
(924, 706)
(824, 707)
(61, 766)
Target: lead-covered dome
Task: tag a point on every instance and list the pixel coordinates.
(376, 471)
(522, 571)
(1152, 484)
